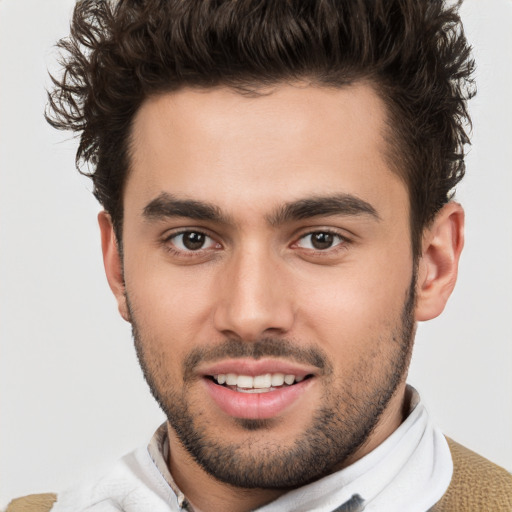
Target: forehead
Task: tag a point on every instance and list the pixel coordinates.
(290, 142)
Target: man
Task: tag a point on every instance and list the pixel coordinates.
(277, 183)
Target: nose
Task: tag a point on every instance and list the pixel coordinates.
(254, 300)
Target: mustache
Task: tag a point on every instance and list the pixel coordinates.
(264, 347)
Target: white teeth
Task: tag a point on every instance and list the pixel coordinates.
(289, 379)
(231, 379)
(262, 381)
(244, 381)
(277, 379)
(259, 382)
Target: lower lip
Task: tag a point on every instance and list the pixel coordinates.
(256, 405)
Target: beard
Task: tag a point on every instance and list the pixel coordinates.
(348, 413)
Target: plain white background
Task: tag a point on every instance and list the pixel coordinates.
(72, 396)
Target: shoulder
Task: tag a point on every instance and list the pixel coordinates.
(32, 503)
(134, 479)
(477, 484)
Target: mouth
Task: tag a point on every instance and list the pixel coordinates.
(257, 389)
(264, 383)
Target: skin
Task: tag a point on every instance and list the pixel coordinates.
(258, 276)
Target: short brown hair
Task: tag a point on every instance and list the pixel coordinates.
(414, 52)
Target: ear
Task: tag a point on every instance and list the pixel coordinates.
(442, 244)
(112, 262)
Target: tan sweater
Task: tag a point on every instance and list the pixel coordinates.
(477, 485)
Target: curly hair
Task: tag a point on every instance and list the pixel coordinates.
(414, 52)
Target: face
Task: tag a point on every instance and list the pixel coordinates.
(268, 277)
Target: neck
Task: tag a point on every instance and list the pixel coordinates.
(394, 415)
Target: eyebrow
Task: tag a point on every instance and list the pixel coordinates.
(339, 204)
(168, 206)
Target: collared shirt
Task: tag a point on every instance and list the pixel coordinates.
(410, 471)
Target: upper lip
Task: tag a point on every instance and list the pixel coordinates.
(253, 367)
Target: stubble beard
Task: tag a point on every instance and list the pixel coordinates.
(347, 417)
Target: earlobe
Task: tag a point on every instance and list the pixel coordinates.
(438, 265)
(112, 262)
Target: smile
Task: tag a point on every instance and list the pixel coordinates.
(258, 384)
(258, 396)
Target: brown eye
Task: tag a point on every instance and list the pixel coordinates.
(320, 240)
(192, 241)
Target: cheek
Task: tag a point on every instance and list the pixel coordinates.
(355, 308)
(171, 308)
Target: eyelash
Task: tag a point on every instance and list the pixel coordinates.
(341, 245)
(170, 247)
